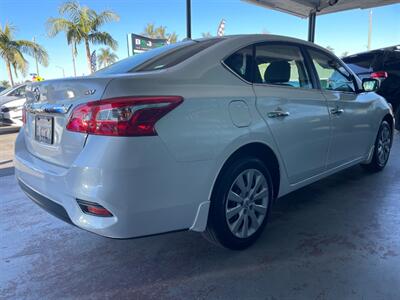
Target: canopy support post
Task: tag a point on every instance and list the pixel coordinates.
(188, 19)
(311, 26)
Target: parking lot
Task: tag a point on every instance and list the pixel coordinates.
(335, 239)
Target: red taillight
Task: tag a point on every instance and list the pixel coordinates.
(98, 211)
(23, 115)
(93, 208)
(379, 75)
(127, 116)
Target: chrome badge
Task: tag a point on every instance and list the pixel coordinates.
(90, 92)
(36, 93)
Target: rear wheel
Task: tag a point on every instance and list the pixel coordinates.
(382, 148)
(397, 118)
(240, 204)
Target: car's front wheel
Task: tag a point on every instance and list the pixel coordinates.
(240, 204)
(383, 145)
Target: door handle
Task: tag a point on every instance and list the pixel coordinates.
(278, 114)
(337, 111)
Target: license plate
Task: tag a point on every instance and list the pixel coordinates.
(44, 129)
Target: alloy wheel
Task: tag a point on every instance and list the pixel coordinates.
(247, 203)
(384, 144)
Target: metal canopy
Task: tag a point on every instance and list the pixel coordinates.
(303, 8)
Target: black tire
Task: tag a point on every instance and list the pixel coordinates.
(377, 163)
(218, 231)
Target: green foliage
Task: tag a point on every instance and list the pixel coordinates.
(106, 57)
(159, 33)
(12, 52)
(82, 24)
(5, 84)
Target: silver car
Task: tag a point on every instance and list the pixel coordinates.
(11, 102)
(201, 135)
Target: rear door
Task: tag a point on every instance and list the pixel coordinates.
(295, 111)
(350, 112)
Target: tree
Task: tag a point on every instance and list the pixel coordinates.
(150, 31)
(206, 34)
(82, 24)
(159, 32)
(330, 48)
(12, 52)
(5, 84)
(106, 57)
(172, 37)
(344, 54)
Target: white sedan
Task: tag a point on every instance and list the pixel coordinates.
(201, 135)
(11, 102)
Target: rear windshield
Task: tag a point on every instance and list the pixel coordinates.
(361, 63)
(158, 58)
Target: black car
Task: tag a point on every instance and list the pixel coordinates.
(383, 64)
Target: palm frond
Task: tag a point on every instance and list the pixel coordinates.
(105, 17)
(103, 38)
(35, 50)
(56, 25)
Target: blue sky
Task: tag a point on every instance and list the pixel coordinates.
(345, 31)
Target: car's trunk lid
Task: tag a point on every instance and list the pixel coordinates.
(49, 105)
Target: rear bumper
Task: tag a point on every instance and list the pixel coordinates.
(48, 205)
(141, 184)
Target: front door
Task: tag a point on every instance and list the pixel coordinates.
(294, 110)
(350, 112)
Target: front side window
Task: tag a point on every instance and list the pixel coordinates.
(332, 75)
(281, 65)
(240, 62)
(19, 92)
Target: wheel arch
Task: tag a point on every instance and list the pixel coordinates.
(262, 152)
(389, 118)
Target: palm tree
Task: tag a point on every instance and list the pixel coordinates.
(159, 32)
(172, 37)
(206, 34)
(106, 57)
(82, 25)
(12, 52)
(150, 31)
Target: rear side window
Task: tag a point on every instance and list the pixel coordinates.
(240, 63)
(158, 58)
(281, 65)
(175, 56)
(361, 63)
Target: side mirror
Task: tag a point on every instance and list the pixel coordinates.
(370, 84)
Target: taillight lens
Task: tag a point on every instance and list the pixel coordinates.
(92, 208)
(379, 75)
(127, 116)
(24, 115)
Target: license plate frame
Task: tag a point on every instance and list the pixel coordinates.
(44, 129)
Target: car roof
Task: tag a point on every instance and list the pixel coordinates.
(379, 50)
(248, 39)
